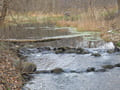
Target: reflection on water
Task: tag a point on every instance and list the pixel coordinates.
(13, 32)
(68, 36)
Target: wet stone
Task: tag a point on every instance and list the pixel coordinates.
(79, 50)
(73, 71)
(117, 65)
(96, 54)
(57, 71)
(59, 50)
(91, 69)
(108, 66)
(27, 77)
(101, 70)
(43, 71)
(117, 49)
(110, 51)
(82, 51)
(44, 49)
(72, 50)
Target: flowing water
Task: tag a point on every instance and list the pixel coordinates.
(48, 60)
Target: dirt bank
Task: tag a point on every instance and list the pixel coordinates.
(10, 78)
(112, 36)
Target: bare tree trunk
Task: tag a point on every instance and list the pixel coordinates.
(118, 2)
(4, 11)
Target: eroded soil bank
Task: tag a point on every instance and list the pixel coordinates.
(10, 77)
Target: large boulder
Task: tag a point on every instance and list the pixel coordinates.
(28, 67)
(25, 67)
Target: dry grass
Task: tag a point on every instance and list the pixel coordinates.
(93, 20)
(96, 19)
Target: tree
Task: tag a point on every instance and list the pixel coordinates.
(4, 11)
(118, 2)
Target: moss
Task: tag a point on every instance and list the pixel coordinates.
(118, 44)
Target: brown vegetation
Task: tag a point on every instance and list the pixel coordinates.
(10, 78)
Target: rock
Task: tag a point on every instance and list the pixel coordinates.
(57, 71)
(117, 65)
(96, 54)
(70, 50)
(81, 51)
(108, 66)
(44, 49)
(25, 67)
(43, 71)
(60, 50)
(73, 71)
(101, 70)
(28, 67)
(27, 77)
(85, 52)
(117, 49)
(90, 69)
(110, 51)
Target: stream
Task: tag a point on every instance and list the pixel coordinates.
(80, 79)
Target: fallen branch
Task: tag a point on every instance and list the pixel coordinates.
(39, 40)
(26, 40)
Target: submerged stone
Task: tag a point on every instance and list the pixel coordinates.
(110, 51)
(108, 66)
(101, 70)
(70, 50)
(96, 54)
(57, 71)
(90, 69)
(44, 49)
(82, 51)
(59, 50)
(43, 71)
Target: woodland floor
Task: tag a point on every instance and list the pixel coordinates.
(10, 78)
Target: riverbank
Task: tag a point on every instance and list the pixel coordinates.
(112, 36)
(10, 77)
